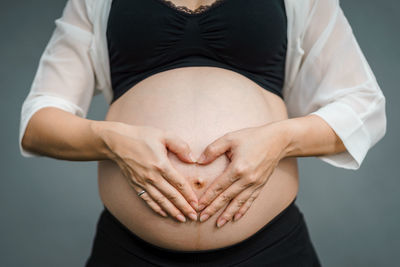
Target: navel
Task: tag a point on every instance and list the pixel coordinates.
(198, 183)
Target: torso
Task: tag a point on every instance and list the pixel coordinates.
(200, 104)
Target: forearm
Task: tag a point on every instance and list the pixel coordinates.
(59, 134)
(309, 136)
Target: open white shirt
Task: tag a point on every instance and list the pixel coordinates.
(326, 73)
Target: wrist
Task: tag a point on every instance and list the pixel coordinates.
(309, 135)
(101, 133)
(287, 131)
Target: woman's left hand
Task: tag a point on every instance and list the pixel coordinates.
(254, 153)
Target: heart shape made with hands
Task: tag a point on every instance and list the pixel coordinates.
(199, 175)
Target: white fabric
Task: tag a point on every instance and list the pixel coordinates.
(326, 73)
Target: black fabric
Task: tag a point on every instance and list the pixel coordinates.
(284, 241)
(149, 36)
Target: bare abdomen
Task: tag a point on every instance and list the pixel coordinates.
(199, 104)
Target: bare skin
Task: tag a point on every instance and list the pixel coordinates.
(203, 105)
(199, 104)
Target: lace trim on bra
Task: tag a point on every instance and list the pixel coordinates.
(200, 9)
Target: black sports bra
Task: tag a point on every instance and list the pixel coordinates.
(149, 36)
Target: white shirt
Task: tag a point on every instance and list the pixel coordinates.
(326, 73)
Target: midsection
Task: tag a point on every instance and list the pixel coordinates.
(199, 104)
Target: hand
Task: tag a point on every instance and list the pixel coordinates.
(254, 153)
(141, 154)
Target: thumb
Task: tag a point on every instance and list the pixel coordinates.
(179, 147)
(214, 150)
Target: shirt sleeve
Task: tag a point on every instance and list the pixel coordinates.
(64, 78)
(335, 82)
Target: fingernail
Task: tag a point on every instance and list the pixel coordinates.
(163, 213)
(193, 216)
(202, 157)
(221, 222)
(181, 218)
(194, 204)
(192, 157)
(201, 207)
(204, 217)
(237, 216)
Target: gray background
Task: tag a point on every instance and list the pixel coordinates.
(49, 207)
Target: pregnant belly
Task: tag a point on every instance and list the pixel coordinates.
(199, 104)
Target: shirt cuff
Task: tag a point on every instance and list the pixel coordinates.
(32, 104)
(351, 130)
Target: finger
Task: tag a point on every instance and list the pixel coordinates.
(245, 207)
(158, 198)
(222, 199)
(227, 178)
(171, 175)
(173, 196)
(236, 204)
(149, 201)
(177, 145)
(165, 203)
(214, 150)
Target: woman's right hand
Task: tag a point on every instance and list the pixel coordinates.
(141, 154)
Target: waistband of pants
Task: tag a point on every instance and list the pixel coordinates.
(287, 221)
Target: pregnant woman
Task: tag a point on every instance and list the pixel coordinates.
(211, 103)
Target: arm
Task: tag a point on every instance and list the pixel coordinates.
(335, 83)
(59, 134)
(336, 113)
(64, 79)
(310, 136)
(53, 122)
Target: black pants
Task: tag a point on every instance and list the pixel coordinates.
(284, 241)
